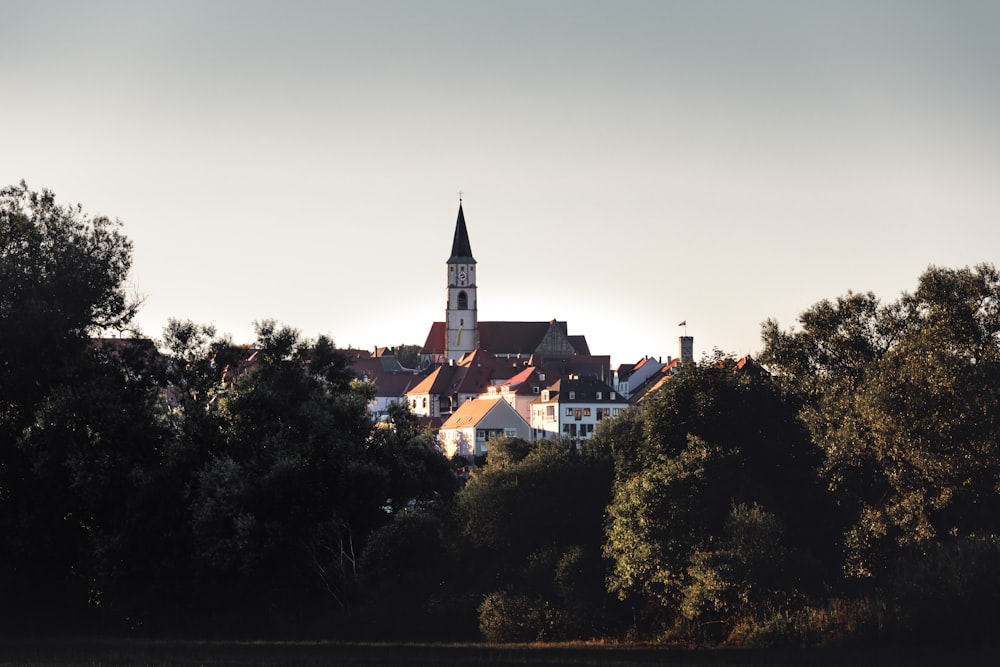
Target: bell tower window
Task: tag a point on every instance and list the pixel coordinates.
(463, 301)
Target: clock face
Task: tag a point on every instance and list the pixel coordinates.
(461, 277)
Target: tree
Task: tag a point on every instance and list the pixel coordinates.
(530, 527)
(408, 355)
(419, 472)
(904, 402)
(289, 490)
(405, 567)
(718, 437)
(64, 412)
(660, 516)
(62, 279)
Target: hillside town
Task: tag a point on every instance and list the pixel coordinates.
(481, 380)
(499, 482)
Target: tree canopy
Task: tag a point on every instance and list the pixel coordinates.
(902, 400)
(843, 488)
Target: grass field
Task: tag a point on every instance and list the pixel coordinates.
(110, 652)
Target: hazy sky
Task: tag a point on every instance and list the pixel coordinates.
(625, 165)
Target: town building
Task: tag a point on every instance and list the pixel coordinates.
(464, 357)
(572, 407)
(470, 429)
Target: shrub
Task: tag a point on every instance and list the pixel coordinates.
(508, 617)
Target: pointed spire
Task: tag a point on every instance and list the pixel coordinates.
(461, 250)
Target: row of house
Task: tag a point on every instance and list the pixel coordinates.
(481, 397)
(478, 381)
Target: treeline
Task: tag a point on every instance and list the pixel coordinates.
(848, 495)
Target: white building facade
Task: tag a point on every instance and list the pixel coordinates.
(573, 407)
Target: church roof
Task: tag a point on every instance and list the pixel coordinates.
(503, 338)
(461, 249)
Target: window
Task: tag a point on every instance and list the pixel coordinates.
(586, 412)
(599, 395)
(569, 412)
(541, 376)
(572, 395)
(534, 390)
(550, 411)
(577, 414)
(510, 432)
(463, 301)
(612, 396)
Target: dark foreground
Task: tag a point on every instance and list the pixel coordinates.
(109, 652)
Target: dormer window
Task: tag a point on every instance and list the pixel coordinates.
(541, 376)
(545, 395)
(612, 396)
(572, 395)
(599, 395)
(534, 390)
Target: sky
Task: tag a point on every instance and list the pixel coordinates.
(625, 166)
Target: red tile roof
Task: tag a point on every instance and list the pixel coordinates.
(502, 338)
(472, 412)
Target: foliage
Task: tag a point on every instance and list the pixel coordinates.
(210, 488)
(658, 517)
(65, 414)
(404, 567)
(62, 278)
(945, 592)
(532, 527)
(904, 402)
(747, 578)
(515, 617)
(408, 356)
(720, 473)
(419, 473)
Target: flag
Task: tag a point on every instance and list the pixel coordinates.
(683, 324)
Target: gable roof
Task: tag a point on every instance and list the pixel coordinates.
(475, 410)
(584, 390)
(473, 374)
(510, 338)
(583, 366)
(438, 381)
(519, 378)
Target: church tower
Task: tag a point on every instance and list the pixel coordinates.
(460, 318)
